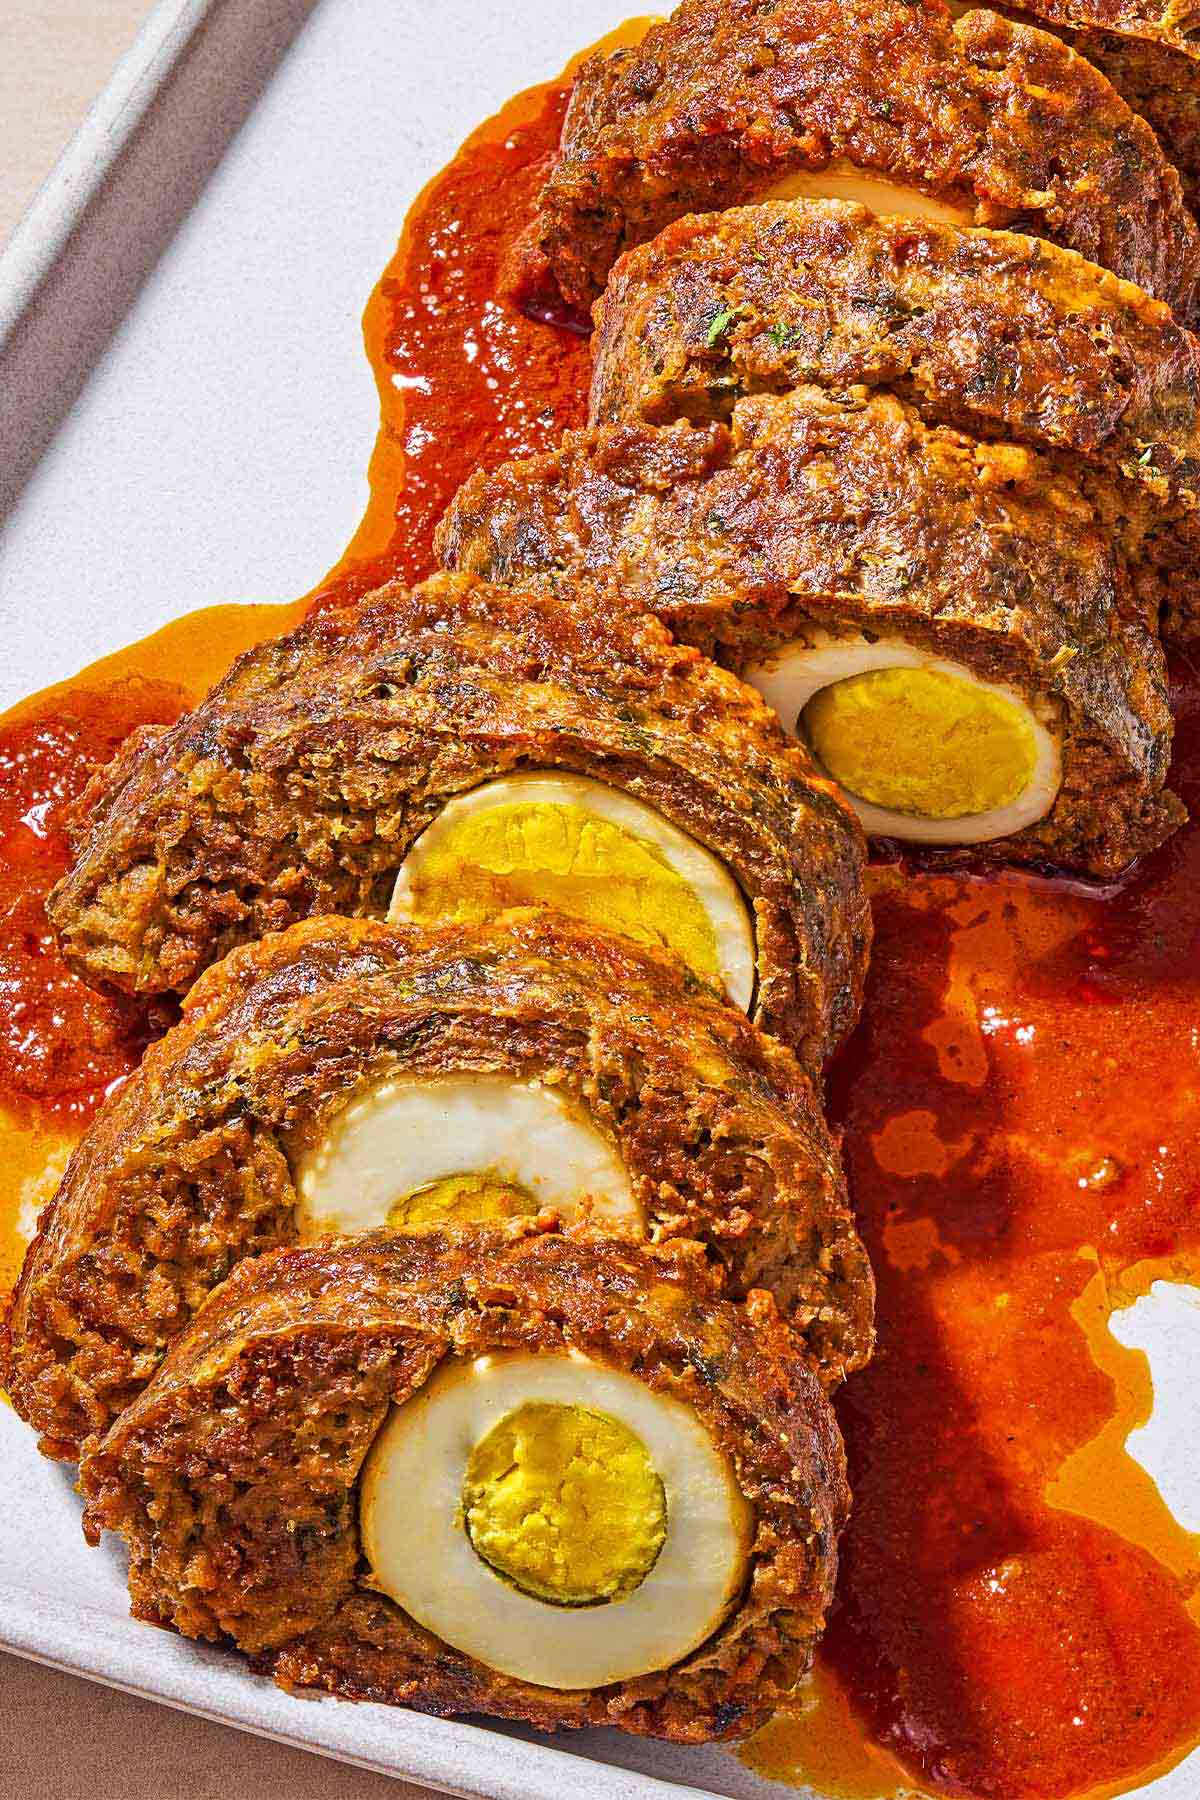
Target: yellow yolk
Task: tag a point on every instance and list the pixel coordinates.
(921, 742)
(463, 1199)
(555, 1518)
(564, 1502)
(534, 853)
(843, 180)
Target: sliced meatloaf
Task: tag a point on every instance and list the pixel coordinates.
(819, 513)
(303, 781)
(235, 1477)
(192, 1165)
(1148, 50)
(728, 98)
(996, 333)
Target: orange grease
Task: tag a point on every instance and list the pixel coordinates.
(821, 1744)
(1016, 1618)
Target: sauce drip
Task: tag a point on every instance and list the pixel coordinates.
(465, 380)
(1017, 1612)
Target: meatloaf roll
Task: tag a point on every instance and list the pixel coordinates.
(892, 102)
(944, 620)
(995, 333)
(349, 1075)
(455, 750)
(544, 1480)
(1148, 50)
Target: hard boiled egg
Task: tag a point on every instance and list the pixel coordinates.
(554, 1518)
(589, 850)
(844, 180)
(417, 1154)
(923, 747)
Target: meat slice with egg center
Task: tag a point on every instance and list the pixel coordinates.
(452, 750)
(351, 1076)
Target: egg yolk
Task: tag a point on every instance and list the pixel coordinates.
(564, 1503)
(921, 742)
(464, 1199)
(543, 854)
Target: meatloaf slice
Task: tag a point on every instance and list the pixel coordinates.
(817, 513)
(728, 98)
(302, 782)
(192, 1166)
(235, 1477)
(998, 334)
(1148, 50)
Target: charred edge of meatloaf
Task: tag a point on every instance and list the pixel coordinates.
(993, 332)
(298, 786)
(1153, 66)
(728, 96)
(996, 334)
(849, 512)
(185, 1171)
(234, 1535)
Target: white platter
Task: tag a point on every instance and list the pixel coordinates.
(186, 418)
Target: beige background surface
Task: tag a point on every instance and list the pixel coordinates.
(61, 1738)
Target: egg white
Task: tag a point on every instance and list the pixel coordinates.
(403, 1134)
(419, 1553)
(843, 180)
(791, 676)
(708, 878)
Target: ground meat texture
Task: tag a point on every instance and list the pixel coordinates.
(1153, 64)
(728, 97)
(300, 784)
(1001, 335)
(847, 512)
(187, 1169)
(233, 1477)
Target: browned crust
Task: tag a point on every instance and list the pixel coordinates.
(1151, 54)
(848, 512)
(233, 1477)
(299, 785)
(729, 96)
(1174, 22)
(186, 1171)
(998, 334)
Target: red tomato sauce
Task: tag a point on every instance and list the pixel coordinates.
(61, 1045)
(1017, 1612)
(465, 380)
(1023, 1145)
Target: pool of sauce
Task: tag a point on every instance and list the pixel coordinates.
(1018, 1613)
